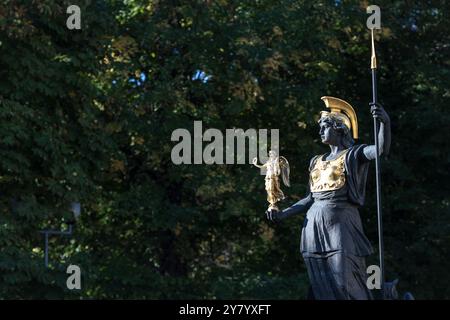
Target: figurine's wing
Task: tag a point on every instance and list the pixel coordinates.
(284, 166)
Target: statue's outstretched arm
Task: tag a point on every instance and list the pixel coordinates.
(384, 133)
(299, 207)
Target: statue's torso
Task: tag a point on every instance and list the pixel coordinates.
(333, 223)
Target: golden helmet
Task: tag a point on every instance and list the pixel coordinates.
(342, 110)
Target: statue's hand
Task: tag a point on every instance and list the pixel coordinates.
(273, 215)
(255, 161)
(378, 112)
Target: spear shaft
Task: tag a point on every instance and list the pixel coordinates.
(373, 66)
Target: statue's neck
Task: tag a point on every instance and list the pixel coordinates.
(335, 150)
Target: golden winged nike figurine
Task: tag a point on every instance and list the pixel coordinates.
(275, 166)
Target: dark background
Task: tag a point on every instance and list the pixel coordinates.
(87, 116)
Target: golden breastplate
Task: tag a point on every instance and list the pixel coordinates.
(328, 175)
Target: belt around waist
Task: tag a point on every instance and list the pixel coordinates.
(340, 203)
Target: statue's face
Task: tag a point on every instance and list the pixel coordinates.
(327, 133)
(272, 154)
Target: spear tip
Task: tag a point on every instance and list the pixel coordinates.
(373, 63)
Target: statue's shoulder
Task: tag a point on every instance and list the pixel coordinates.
(355, 149)
(356, 154)
(357, 146)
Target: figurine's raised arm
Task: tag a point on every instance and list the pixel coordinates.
(255, 163)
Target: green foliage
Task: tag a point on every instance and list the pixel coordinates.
(73, 127)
